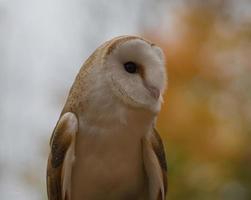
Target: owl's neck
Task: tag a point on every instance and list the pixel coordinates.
(114, 116)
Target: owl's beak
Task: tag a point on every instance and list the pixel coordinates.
(155, 92)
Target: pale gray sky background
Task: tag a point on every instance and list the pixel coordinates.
(42, 46)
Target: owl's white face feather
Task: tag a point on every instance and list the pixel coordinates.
(136, 73)
(123, 78)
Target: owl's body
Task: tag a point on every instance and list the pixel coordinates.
(113, 167)
(104, 145)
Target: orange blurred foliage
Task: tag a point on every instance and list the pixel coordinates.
(206, 117)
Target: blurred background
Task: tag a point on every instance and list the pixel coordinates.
(206, 118)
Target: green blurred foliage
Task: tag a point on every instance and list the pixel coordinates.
(206, 118)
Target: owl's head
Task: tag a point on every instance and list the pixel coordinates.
(135, 71)
(130, 70)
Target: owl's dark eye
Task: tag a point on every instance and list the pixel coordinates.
(131, 67)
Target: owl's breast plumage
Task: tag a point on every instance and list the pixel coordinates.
(108, 164)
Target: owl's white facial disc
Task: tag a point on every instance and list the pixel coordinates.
(136, 72)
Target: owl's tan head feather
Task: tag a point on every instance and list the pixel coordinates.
(126, 71)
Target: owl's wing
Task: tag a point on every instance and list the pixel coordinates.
(155, 166)
(61, 156)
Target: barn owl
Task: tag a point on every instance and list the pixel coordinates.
(105, 145)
